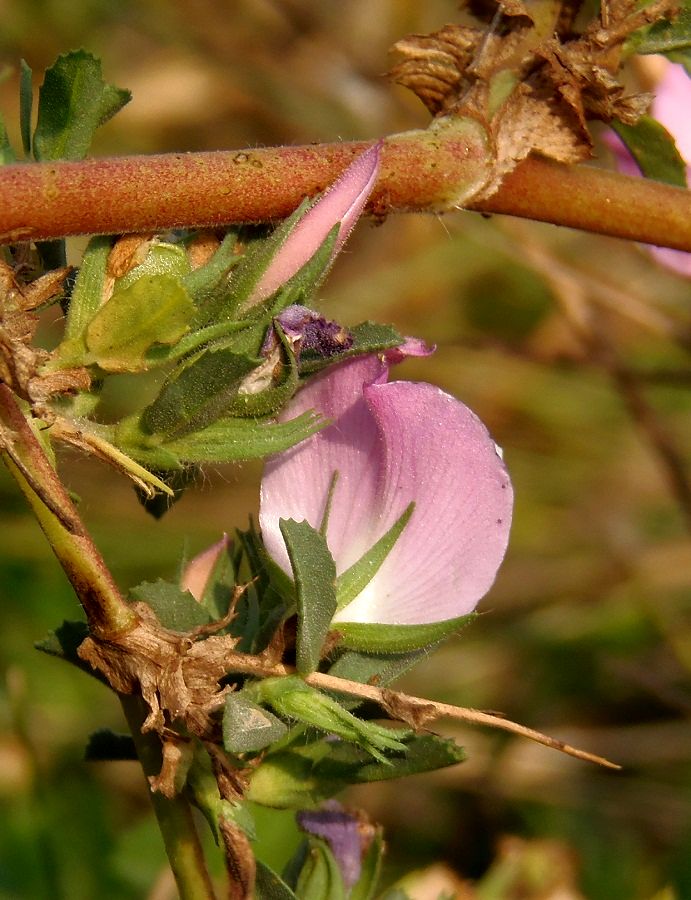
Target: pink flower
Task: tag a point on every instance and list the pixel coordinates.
(393, 443)
(342, 203)
(198, 570)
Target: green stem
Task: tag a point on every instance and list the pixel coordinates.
(425, 171)
(174, 816)
(106, 610)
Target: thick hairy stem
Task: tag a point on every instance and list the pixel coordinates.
(424, 171)
(106, 610)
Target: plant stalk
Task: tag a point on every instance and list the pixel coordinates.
(423, 171)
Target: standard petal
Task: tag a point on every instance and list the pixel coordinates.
(296, 483)
(343, 202)
(435, 451)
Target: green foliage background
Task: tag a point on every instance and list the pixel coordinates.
(573, 350)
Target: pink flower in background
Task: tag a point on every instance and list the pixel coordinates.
(198, 570)
(672, 108)
(342, 203)
(392, 443)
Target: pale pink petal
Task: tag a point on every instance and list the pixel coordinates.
(343, 202)
(672, 106)
(198, 570)
(392, 444)
(410, 347)
(434, 451)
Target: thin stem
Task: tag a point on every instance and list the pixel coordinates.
(174, 815)
(106, 610)
(421, 171)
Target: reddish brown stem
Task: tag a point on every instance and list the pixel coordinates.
(420, 172)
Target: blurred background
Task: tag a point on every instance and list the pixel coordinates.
(573, 349)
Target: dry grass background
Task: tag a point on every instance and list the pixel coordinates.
(573, 349)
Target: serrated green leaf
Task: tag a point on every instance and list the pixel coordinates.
(320, 878)
(155, 309)
(64, 641)
(105, 745)
(315, 582)
(355, 665)
(269, 886)
(197, 393)
(368, 337)
(7, 154)
(26, 102)
(664, 36)
(304, 774)
(174, 608)
(355, 579)
(73, 101)
(654, 150)
(247, 727)
(375, 638)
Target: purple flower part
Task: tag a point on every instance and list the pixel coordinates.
(343, 202)
(308, 330)
(343, 834)
(197, 571)
(393, 443)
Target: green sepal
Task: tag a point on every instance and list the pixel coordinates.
(270, 886)
(292, 698)
(73, 101)
(355, 579)
(203, 787)
(315, 582)
(248, 727)
(174, 608)
(303, 774)
(268, 400)
(105, 745)
(7, 154)
(26, 102)
(368, 337)
(209, 285)
(320, 877)
(153, 309)
(654, 150)
(227, 440)
(376, 638)
(197, 393)
(366, 885)
(87, 293)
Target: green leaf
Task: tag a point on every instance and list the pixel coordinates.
(209, 285)
(197, 393)
(154, 309)
(105, 745)
(304, 774)
(26, 102)
(7, 154)
(269, 886)
(231, 440)
(664, 36)
(161, 258)
(375, 638)
(654, 150)
(315, 581)
(320, 878)
(87, 293)
(366, 885)
(174, 608)
(354, 665)
(247, 727)
(64, 643)
(73, 101)
(353, 581)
